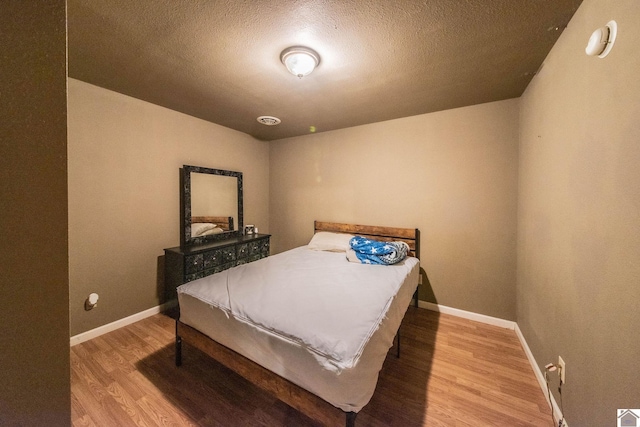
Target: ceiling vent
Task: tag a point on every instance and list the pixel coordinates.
(269, 120)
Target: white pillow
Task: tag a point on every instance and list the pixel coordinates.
(199, 228)
(214, 230)
(333, 242)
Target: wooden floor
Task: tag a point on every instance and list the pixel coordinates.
(452, 372)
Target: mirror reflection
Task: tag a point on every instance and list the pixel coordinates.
(214, 204)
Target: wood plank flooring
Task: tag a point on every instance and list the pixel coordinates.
(451, 372)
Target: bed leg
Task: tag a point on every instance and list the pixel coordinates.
(398, 345)
(351, 419)
(415, 298)
(178, 351)
(178, 347)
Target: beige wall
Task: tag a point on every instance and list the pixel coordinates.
(124, 160)
(579, 215)
(34, 284)
(453, 174)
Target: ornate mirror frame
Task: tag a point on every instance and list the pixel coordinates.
(185, 206)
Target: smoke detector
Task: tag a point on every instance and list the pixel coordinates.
(602, 40)
(269, 120)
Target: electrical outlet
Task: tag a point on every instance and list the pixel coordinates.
(562, 370)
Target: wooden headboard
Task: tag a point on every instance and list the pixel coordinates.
(224, 222)
(411, 236)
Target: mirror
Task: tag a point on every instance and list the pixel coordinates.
(211, 204)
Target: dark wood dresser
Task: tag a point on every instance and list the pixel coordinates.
(184, 264)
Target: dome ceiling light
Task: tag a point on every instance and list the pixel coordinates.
(299, 60)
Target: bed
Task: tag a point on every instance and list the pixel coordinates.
(329, 325)
(208, 225)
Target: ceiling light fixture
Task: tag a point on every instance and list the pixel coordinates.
(299, 60)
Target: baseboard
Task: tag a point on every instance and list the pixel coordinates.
(555, 408)
(495, 321)
(93, 333)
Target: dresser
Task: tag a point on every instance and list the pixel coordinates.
(184, 264)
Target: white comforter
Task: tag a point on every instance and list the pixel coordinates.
(316, 299)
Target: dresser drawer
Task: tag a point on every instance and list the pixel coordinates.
(259, 247)
(193, 264)
(242, 250)
(212, 258)
(218, 269)
(264, 248)
(194, 276)
(254, 248)
(223, 267)
(228, 254)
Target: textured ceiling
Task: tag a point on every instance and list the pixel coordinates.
(380, 60)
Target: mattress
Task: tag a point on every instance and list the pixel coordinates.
(309, 316)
